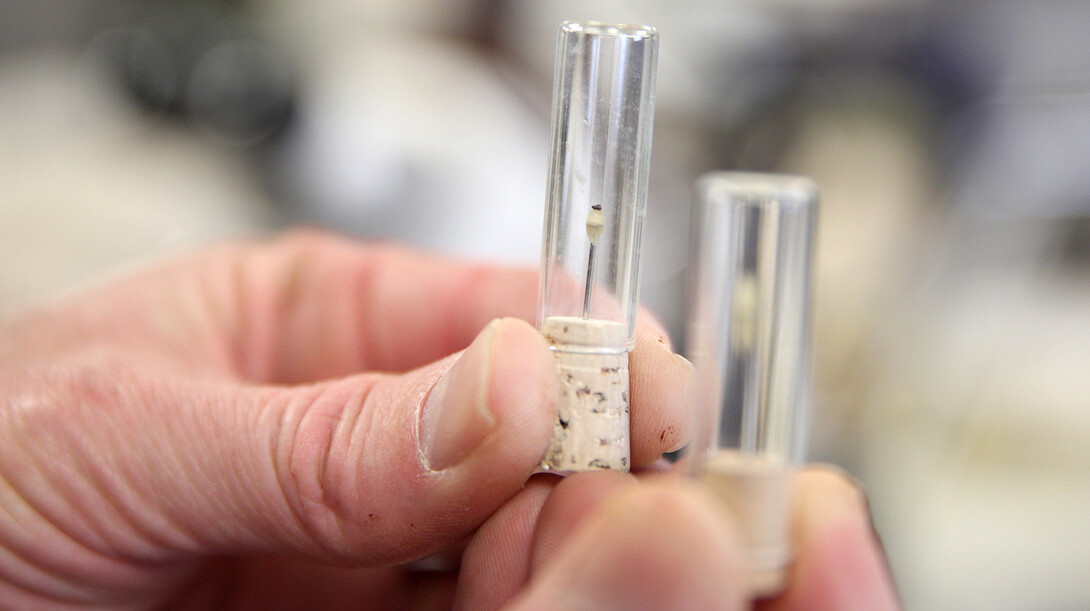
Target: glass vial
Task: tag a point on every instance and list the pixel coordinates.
(603, 106)
(749, 340)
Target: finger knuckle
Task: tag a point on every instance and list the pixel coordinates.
(315, 462)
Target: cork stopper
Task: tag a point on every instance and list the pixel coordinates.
(754, 491)
(591, 427)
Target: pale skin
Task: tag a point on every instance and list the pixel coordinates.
(287, 424)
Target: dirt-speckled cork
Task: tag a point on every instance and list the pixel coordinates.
(591, 427)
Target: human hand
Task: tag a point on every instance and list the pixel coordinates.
(601, 541)
(202, 434)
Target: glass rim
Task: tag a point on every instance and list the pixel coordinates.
(622, 30)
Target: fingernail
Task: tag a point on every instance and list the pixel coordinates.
(455, 416)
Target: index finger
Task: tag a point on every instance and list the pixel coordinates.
(340, 307)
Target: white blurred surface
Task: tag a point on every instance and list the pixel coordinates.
(419, 139)
(88, 185)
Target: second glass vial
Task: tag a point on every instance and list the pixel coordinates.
(749, 341)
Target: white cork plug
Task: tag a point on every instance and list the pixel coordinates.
(754, 491)
(591, 427)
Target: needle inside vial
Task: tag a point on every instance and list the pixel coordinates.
(596, 222)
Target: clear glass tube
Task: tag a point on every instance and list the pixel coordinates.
(749, 340)
(603, 106)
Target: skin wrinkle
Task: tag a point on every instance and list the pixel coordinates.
(318, 507)
(231, 299)
(184, 537)
(348, 421)
(373, 451)
(362, 282)
(286, 300)
(118, 481)
(252, 336)
(271, 410)
(286, 430)
(352, 353)
(11, 574)
(356, 312)
(307, 314)
(359, 433)
(38, 595)
(115, 484)
(100, 474)
(48, 477)
(332, 491)
(310, 478)
(368, 452)
(218, 494)
(77, 593)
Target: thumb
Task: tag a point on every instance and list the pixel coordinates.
(373, 468)
(389, 468)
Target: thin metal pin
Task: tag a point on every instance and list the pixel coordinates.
(586, 294)
(596, 222)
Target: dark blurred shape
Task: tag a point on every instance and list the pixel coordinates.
(197, 61)
(43, 23)
(897, 60)
(241, 91)
(1074, 250)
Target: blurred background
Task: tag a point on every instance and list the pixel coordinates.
(951, 141)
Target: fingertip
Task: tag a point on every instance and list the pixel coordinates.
(832, 480)
(655, 546)
(496, 563)
(649, 325)
(575, 499)
(509, 378)
(661, 384)
(839, 561)
(825, 495)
